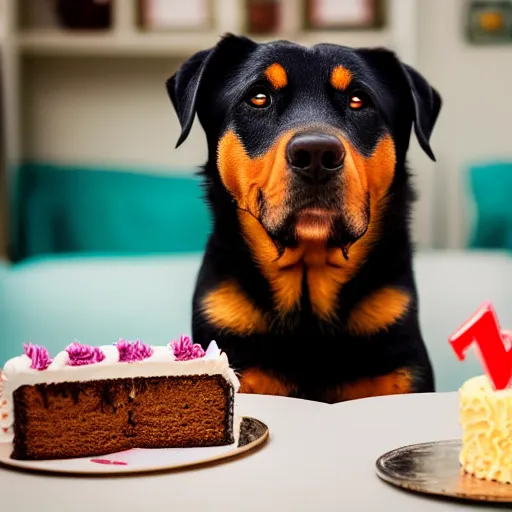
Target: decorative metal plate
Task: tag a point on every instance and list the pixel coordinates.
(433, 468)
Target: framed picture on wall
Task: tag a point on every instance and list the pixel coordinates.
(489, 22)
(162, 15)
(263, 16)
(344, 14)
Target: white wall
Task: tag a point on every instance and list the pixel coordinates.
(476, 121)
(105, 111)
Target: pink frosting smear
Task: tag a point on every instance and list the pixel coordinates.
(106, 461)
(39, 355)
(81, 355)
(185, 350)
(130, 352)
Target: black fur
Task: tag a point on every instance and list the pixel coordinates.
(312, 354)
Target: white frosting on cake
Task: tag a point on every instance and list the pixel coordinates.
(486, 421)
(162, 363)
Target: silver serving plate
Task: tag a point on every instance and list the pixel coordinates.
(434, 469)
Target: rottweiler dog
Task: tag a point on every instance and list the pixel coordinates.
(307, 281)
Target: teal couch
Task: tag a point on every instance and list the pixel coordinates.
(96, 300)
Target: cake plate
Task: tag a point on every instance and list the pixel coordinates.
(252, 434)
(433, 468)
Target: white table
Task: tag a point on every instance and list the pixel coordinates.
(315, 461)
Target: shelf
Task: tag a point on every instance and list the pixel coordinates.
(97, 44)
(353, 38)
(177, 44)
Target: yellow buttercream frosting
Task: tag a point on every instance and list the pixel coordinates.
(486, 421)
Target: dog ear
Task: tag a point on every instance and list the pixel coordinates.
(426, 101)
(184, 86)
(427, 105)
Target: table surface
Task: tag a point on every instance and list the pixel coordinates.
(319, 457)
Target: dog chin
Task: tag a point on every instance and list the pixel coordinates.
(314, 225)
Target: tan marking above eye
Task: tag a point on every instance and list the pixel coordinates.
(259, 100)
(340, 78)
(356, 102)
(277, 76)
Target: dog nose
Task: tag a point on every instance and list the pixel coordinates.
(315, 157)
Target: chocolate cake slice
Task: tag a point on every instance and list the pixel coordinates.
(92, 401)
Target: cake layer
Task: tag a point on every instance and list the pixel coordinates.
(486, 421)
(78, 419)
(162, 362)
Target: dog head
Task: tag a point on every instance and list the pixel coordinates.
(305, 139)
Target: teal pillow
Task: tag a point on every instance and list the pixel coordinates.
(83, 210)
(491, 188)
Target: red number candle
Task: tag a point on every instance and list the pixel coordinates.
(483, 330)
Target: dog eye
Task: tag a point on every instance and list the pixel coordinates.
(357, 102)
(258, 98)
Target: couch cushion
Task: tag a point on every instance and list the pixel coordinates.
(67, 209)
(490, 185)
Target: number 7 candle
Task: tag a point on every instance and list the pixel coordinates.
(483, 331)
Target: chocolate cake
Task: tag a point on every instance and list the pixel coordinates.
(92, 401)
